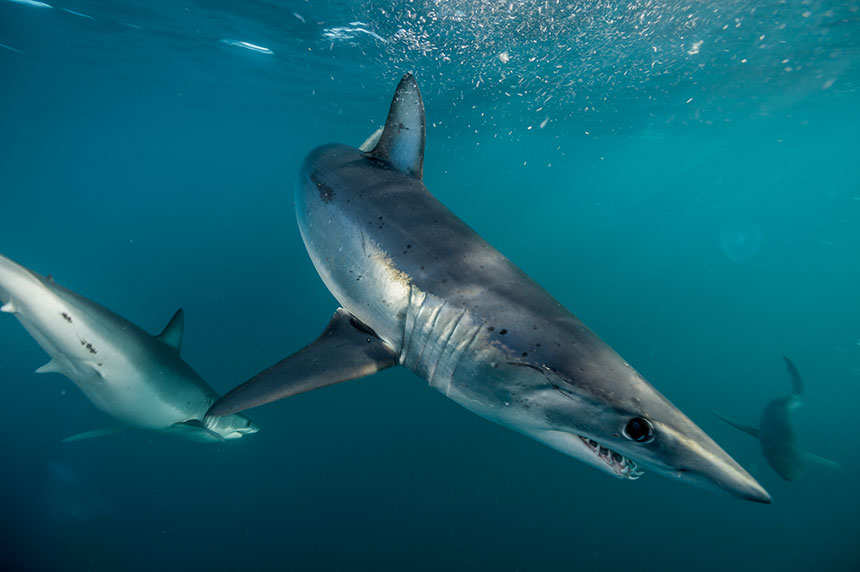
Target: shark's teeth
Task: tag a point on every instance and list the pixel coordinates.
(622, 466)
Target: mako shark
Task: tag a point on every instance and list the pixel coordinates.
(420, 289)
(776, 434)
(137, 378)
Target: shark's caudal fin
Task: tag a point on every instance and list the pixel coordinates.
(346, 350)
(402, 141)
(96, 433)
(174, 330)
(737, 424)
(796, 381)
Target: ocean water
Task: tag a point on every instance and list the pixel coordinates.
(684, 177)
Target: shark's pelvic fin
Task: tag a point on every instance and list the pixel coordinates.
(821, 461)
(738, 425)
(10, 308)
(402, 141)
(347, 349)
(52, 366)
(96, 433)
(796, 380)
(174, 330)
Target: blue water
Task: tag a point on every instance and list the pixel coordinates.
(683, 176)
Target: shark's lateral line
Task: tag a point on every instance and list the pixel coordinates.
(137, 378)
(776, 434)
(421, 289)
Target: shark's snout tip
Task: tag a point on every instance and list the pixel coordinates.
(744, 487)
(757, 493)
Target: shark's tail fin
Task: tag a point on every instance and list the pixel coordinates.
(797, 382)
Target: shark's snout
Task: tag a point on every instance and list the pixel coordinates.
(731, 481)
(701, 462)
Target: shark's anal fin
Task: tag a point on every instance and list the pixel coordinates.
(821, 461)
(738, 425)
(96, 433)
(796, 380)
(402, 141)
(174, 330)
(346, 350)
(9, 308)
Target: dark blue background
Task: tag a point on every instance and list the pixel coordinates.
(151, 166)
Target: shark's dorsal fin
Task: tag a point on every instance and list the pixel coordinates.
(347, 349)
(402, 141)
(738, 425)
(174, 330)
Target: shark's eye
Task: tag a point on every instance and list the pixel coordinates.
(639, 430)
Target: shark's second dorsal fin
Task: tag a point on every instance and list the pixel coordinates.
(796, 380)
(402, 141)
(174, 330)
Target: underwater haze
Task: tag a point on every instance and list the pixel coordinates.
(683, 176)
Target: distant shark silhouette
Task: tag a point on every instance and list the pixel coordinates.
(776, 435)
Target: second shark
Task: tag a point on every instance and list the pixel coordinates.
(137, 378)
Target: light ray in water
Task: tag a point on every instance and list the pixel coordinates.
(31, 3)
(11, 49)
(247, 46)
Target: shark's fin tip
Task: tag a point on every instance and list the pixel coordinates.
(401, 143)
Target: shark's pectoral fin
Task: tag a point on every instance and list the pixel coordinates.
(174, 330)
(821, 461)
(96, 433)
(738, 425)
(347, 349)
(195, 430)
(401, 143)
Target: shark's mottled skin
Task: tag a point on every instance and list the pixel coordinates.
(450, 307)
(136, 378)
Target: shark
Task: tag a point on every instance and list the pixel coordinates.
(418, 288)
(137, 378)
(776, 434)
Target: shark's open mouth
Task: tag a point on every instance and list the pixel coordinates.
(622, 466)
